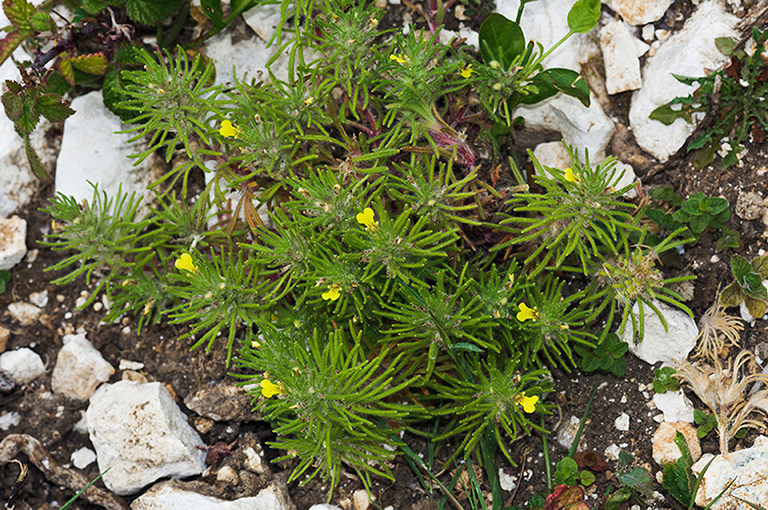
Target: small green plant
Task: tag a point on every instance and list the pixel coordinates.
(699, 214)
(664, 381)
(703, 213)
(567, 472)
(748, 287)
(736, 94)
(634, 483)
(705, 423)
(5, 277)
(608, 356)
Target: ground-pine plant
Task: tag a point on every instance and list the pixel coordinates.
(359, 282)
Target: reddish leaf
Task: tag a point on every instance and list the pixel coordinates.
(95, 63)
(65, 68)
(19, 13)
(590, 460)
(9, 43)
(566, 498)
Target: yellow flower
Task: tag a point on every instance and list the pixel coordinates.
(526, 313)
(229, 130)
(334, 291)
(366, 218)
(185, 263)
(308, 101)
(528, 403)
(497, 86)
(571, 176)
(400, 59)
(467, 71)
(270, 389)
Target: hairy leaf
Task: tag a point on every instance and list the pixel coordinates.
(52, 108)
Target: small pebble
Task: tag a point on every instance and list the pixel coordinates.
(714, 259)
(97, 306)
(60, 298)
(68, 315)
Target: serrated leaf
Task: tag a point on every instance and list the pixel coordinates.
(10, 42)
(740, 268)
(12, 104)
(756, 307)
(501, 40)
(666, 194)
(34, 161)
(717, 205)
(639, 479)
(52, 108)
(64, 67)
(30, 116)
(93, 6)
(151, 12)
(699, 223)
(619, 367)
(19, 13)
(41, 21)
(112, 95)
(95, 63)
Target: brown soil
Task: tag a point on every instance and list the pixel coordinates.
(51, 418)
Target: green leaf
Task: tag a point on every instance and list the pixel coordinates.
(756, 307)
(570, 83)
(19, 13)
(619, 367)
(41, 21)
(30, 115)
(501, 40)
(583, 16)
(618, 497)
(639, 479)
(725, 45)
(466, 346)
(699, 223)
(5, 277)
(34, 161)
(666, 194)
(93, 6)
(760, 266)
(586, 478)
(95, 63)
(52, 108)
(151, 12)
(12, 104)
(740, 268)
(666, 115)
(703, 156)
(717, 205)
(212, 9)
(10, 42)
(732, 295)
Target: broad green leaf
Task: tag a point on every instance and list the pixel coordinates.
(12, 104)
(52, 108)
(501, 40)
(754, 286)
(618, 497)
(212, 9)
(65, 68)
(583, 16)
(570, 83)
(704, 156)
(112, 95)
(41, 21)
(760, 266)
(732, 295)
(150, 12)
(619, 367)
(740, 268)
(666, 194)
(756, 307)
(19, 13)
(725, 45)
(699, 223)
(545, 88)
(693, 204)
(666, 115)
(95, 63)
(30, 115)
(639, 479)
(93, 6)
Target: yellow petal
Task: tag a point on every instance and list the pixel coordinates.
(400, 59)
(333, 293)
(229, 130)
(526, 313)
(185, 263)
(467, 71)
(528, 403)
(308, 101)
(571, 176)
(366, 218)
(270, 389)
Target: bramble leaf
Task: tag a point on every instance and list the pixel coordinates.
(150, 12)
(95, 63)
(19, 13)
(52, 108)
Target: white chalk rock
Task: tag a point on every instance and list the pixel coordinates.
(659, 344)
(25, 313)
(675, 406)
(622, 422)
(22, 365)
(92, 151)
(165, 496)
(324, 506)
(13, 241)
(626, 174)
(247, 57)
(546, 23)
(552, 155)
(621, 56)
(665, 450)
(79, 369)
(639, 12)
(263, 19)
(566, 433)
(83, 457)
(746, 468)
(690, 52)
(141, 435)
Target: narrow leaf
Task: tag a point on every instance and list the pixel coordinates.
(34, 161)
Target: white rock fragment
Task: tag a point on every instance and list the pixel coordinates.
(263, 19)
(659, 344)
(25, 313)
(665, 450)
(165, 496)
(79, 369)
(326, 506)
(552, 155)
(648, 33)
(508, 482)
(639, 12)
(566, 433)
(83, 457)
(8, 420)
(746, 468)
(91, 150)
(141, 435)
(39, 298)
(612, 452)
(689, 52)
(622, 422)
(13, 246)
(621, 56)
(580, 126)
(361, 500)
(130, 365)
(675, 406)
(253, 461)
(22, 365)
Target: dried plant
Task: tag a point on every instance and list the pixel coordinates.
(717, 330)
(724, 391)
